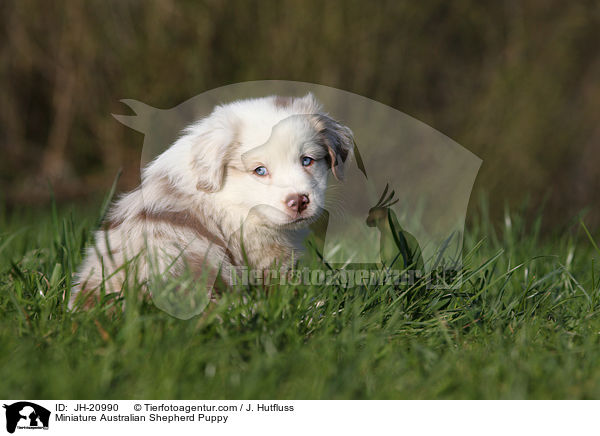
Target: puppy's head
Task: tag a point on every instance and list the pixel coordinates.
(276, 170)
(286, 177)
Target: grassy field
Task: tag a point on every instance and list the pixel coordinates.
(525, 324)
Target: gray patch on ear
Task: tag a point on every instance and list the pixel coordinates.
(337, 139)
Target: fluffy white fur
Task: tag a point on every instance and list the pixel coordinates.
(201, 199)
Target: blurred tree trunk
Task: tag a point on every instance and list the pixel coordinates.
(54, 159)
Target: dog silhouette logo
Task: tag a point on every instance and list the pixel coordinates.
(26, 415)
(411, 182)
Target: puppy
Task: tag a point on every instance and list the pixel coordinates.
(237, 188)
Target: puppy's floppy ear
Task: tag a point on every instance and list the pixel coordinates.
(337, 139)
(213, 140)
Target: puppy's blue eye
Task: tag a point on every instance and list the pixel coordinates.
(260, 171)
(307, 161)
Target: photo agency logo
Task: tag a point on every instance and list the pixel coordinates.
(25, 415)
(391, 213)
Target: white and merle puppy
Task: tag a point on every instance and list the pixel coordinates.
(239, 187)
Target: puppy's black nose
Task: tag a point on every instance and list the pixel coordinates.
(297, 202)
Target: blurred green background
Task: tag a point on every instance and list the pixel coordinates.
(517, 83)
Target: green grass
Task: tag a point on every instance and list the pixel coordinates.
(525, 324)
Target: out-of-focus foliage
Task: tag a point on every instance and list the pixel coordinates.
(517, 83)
